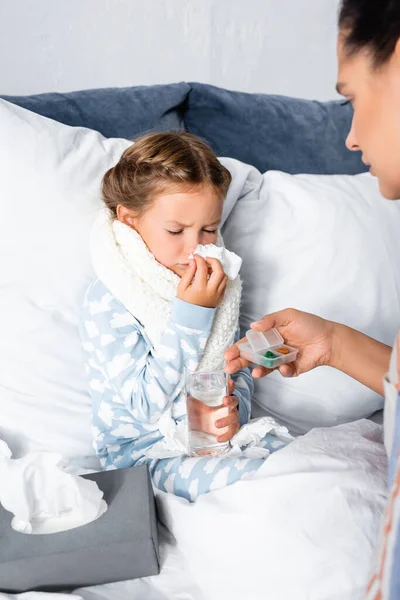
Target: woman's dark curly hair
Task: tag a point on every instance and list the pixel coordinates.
(371, 25)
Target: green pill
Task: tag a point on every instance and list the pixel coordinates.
(271, 359)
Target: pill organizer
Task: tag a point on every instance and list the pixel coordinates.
(267, 349)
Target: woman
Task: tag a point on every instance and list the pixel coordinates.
(369, 78)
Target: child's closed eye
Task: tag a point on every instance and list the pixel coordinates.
(211, 232)
(174, 232)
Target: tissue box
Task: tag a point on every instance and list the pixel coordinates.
(121, 544)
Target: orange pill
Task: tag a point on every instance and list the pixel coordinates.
(283, 350)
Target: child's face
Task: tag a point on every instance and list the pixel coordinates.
(176, 223)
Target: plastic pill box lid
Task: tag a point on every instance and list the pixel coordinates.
(259, 340)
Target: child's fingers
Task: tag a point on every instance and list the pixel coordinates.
(230, 401)
(227, 421)
(215, 265)
(217, 272)
(201, 272)
(225, 437)
(231, 386)
(222, 285)
(188, 275)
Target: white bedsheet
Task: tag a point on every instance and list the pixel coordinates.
(305, 527)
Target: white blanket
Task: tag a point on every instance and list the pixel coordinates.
(304, 528)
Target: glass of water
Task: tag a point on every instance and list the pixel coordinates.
(207, 388)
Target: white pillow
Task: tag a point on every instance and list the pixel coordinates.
(49, 193)
(327, 245)
(50, 178)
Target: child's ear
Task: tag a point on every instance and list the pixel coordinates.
(126, 216)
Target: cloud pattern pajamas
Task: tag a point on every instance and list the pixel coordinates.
(133, 384)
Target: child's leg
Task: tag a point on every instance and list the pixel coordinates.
(189, 477)
(272, 443)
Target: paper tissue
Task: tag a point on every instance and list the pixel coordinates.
(118, 544)
(230, 261)
(43, 497)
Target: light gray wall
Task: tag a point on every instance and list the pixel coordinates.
(273, 46)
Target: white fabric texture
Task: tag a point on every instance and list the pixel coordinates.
(50, 178)
(146, 288)
(305, 526)
(326, 245)
(43, 497)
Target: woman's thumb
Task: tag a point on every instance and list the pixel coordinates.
(266, 323)
(282, 318)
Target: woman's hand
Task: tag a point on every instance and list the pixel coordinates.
(203, 282)
(221, 421)
(313, 336)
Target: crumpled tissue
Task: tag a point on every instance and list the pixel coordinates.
(175, 441)
(43, 497)
(247, 442)
(230, 261)
(248, 439)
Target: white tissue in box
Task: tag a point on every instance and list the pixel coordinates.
(43, 497)
(230, 261)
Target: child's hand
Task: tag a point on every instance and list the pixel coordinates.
(231, 422)
(203, 282)
(221, 421)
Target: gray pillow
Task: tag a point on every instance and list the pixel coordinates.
(273, 132)
(115, 112)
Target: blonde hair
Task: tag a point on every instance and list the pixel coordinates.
(157, 161)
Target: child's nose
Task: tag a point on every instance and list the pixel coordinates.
(193, 242)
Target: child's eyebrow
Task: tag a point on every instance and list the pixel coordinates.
(191, 224)
(177, 223)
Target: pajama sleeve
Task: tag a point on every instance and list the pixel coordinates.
(147, 380)
(244, 388)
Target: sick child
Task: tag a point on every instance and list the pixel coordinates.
(151, 308)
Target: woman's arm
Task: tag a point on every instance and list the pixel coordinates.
(321, 342)
(360, 356)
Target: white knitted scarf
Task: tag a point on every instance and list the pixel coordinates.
(146, 288)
